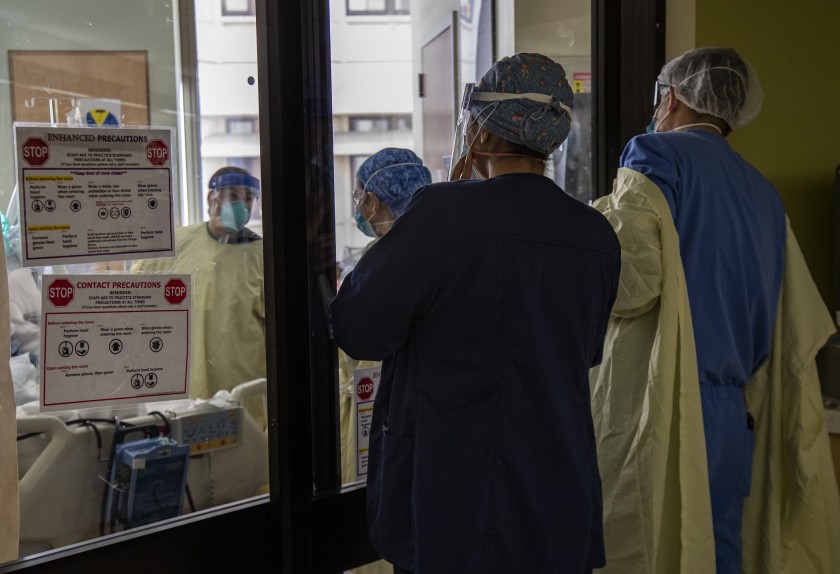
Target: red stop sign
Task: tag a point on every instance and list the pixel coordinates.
(35, 151)
(156, 152)
(60, 292)
(365, 388)
(175, 291)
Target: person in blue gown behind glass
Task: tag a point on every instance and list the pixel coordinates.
(487, 302)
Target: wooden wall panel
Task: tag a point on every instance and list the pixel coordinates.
(38, 75)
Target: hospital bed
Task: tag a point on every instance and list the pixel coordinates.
(64, 461)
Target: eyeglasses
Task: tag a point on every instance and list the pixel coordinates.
(358, 196)
(658, 91)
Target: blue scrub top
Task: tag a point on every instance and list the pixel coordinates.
(731, 224)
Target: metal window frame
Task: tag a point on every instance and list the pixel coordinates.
(629, 50)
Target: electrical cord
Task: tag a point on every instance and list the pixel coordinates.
(107, 480)
(28, 435)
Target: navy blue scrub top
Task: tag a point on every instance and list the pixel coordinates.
(488, 302)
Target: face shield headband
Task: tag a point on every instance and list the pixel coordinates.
(218, 182)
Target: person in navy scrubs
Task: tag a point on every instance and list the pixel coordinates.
(487, 302)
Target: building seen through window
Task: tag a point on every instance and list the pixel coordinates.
(377, 7)
(238, 8)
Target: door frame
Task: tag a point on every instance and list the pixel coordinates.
(628, 51)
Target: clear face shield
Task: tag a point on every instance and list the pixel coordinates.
(235, 194)
(459, 143)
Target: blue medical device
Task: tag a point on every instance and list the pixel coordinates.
(147, 478)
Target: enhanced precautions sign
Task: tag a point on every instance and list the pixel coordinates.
(114, 339)
(94, 194)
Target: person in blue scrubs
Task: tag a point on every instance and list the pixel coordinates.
(385, 183)
(731, 225)
(488, 301)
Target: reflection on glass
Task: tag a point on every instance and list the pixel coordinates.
(91, 472)
(562, 31)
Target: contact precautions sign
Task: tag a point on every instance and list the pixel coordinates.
(114, 339)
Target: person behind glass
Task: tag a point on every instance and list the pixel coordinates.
(385, 183)
(487, 302)
(707, 251)
(228, 304)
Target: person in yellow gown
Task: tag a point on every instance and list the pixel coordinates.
(225, 259)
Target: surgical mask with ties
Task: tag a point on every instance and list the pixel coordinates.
(234, 216)
(363, 224)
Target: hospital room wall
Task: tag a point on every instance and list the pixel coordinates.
(115, 25)
(795, 141)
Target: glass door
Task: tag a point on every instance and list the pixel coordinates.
(293, 98)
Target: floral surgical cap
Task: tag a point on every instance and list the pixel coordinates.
(538, 126)
(393, 175)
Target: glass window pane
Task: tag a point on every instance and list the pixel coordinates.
(238, 7)
(135, 294)
(564, 33)
(367, 6)
(241, 126)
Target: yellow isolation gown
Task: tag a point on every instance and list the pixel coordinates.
(649, 426)
(228, 308)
